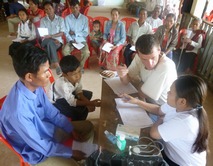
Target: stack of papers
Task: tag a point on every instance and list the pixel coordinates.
(132, 114)
(43, 31)
(119, 88)
(78, 45)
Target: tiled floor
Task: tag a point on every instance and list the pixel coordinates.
(91, 81)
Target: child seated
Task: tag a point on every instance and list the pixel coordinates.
(66, 92)
(96, 36)
(26, 32)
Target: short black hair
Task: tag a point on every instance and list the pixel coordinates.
(96, 22)
(115, 9)
(23, 10)
(146, 43)
(74, 2)
(86, 3)
(47, 3)
(171, 15)
(143, 9)
(28, 59)
(36, 2)
(69, 63)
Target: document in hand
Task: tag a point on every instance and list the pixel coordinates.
(18, 40)
(43, 31)
(78, 45)
(132, 114)
(119, 88)
(133, 48)
(87, 148)
(107, 47)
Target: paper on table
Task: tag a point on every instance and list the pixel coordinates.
(121, 104)
(133, 116)
(78, 45)
(119, 88)
(87, 148)
(43, 31)
(133, 48)
(107, 47)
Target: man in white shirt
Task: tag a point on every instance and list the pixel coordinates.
(150, 69)
(154, 20)
(135, 30)
(76, 32)
(53, 40)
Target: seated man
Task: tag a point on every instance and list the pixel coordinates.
(150, 69)
(154, 19)
(135, 30)
(53, 41)
(13, 18)
(76, 31)
(31, 124)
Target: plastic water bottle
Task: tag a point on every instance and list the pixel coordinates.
(111, 137)
(121, 142)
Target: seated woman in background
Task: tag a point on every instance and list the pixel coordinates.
(167, 35)
(115, 34)
(35, 14)
(26, 32)
(191, 42)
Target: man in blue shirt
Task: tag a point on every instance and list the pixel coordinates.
(32, 125)
(13, 18)
(76, 26)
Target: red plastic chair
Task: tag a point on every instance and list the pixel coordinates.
(86, 11)
(102, 20)
(66, 12)
(7, 144)
(90, 22)
(128, 21)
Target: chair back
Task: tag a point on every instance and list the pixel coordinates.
(128, 21)
(66, 12)
(2, 101)
(7, 144)
(86, 11)
(51, 78)
(90, 22)
(102, 20)
(180, 34)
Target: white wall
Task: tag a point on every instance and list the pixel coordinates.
(197, 8)
(110, 2)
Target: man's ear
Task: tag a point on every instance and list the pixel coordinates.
(28, 77)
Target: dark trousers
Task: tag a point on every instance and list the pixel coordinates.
(15, 45)
(186, 61)
(168, 161)
(75, 113)
(128, 54)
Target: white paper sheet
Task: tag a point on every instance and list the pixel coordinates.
(107, 47)
(133, 48)
(133, 116)
(43, 31)
(17, 40)
(78, 45)
(119, 88)
(87, 148)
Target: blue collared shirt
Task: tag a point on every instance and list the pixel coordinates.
(120, 32)
(78, 25)
(28, 121)
(54, 27)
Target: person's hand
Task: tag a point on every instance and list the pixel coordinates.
(72, 32)
(56, 42)
(113, 47)
(122, 70)
(187, 40)
(128, 99)
(96, 102)
(78, 155)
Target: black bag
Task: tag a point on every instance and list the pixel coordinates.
(145, 154)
